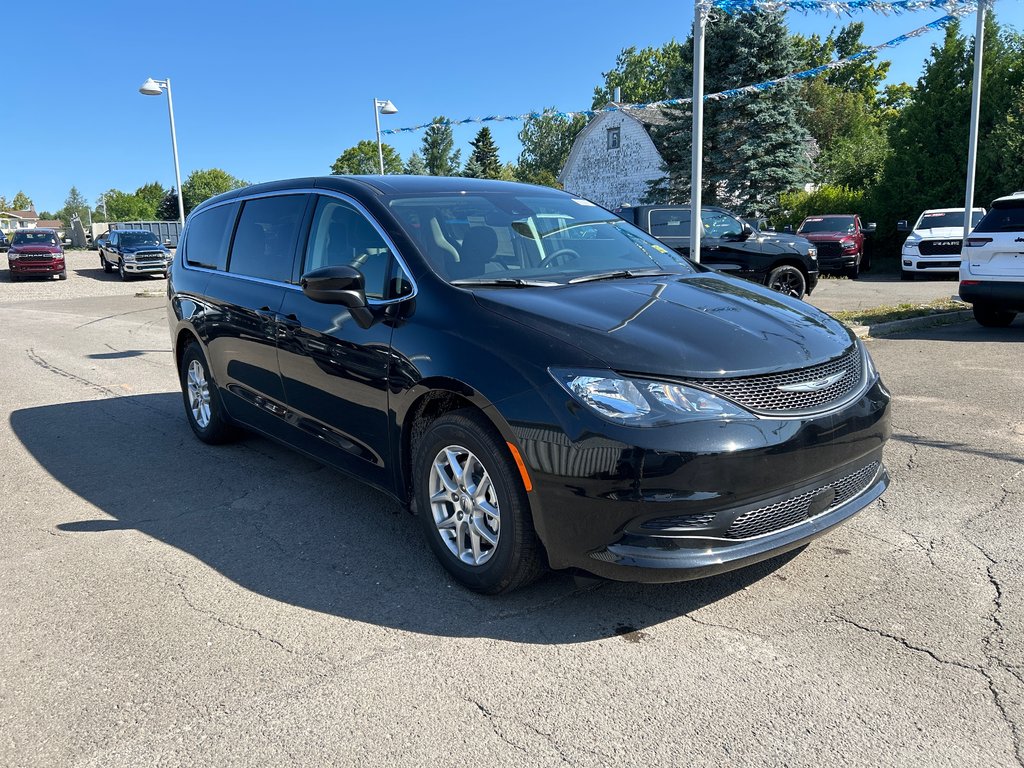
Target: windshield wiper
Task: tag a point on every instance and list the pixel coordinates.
(620, 273)
(511, 282)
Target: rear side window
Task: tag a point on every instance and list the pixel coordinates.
(1004, 217)
(666, 223)
(206, 244)
(342, 236)
(264, 243)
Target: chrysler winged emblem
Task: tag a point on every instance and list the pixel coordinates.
(815, 385)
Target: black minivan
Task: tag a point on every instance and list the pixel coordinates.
(544, 384)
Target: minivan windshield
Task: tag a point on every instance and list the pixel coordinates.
(947, 219)
(518, 239)
(139, 238)
(34, 238)
(828, 224)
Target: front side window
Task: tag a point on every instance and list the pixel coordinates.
(718, 224)
(545, 239)
(264, 243)
(614, 138)
(207, 236)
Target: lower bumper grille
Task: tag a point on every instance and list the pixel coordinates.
(783, 514)
(939, 264)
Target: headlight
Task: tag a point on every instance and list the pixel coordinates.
(848, 245)
(812, 252)
(910, 245)
(641, 402)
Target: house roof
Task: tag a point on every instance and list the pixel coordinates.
(29, 214)
(649, 116)
(50, 224)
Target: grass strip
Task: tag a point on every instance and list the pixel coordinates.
(903, 311)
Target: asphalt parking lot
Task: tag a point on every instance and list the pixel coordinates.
(167, 602)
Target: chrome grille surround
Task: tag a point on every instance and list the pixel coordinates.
(761, 394)
(797, 509)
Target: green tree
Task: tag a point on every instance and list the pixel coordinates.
(755, 146)
(473, 170)
(642, 76)
(151, 195)
(547, 139)
(484, 156)
(74, 204)
(204, 184)
(21, 202)
(437, 149)
(509, 172)
(4, 205)
(126, 206)
(415, 166)
(168, 208)
(363, 159)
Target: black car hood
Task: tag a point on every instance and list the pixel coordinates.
(701, 325)
(797, 241)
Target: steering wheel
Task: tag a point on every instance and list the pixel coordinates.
(560, 257)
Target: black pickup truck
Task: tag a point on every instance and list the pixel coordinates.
(783, 262)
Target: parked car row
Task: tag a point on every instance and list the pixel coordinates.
(40, 253)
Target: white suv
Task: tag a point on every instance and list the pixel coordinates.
(992, 271)
(934, 243)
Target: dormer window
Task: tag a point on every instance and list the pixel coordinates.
(613, 138)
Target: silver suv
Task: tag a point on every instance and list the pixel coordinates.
(992, 268)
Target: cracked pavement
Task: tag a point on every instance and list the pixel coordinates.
(167, 602)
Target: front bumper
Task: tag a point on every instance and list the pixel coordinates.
(148, 267)
(702, 498)
(36, 267)
(836, 263)
(914, 262)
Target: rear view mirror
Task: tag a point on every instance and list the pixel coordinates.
(341, 285)
(902, 226)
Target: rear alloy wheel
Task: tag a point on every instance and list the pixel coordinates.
(105, 264)
(203, 407)
(789, 280)
(472, 504)
(990, 317)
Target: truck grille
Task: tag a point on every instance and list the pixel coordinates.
(829, 250)
(37, 256)
(158, 256)
(763, 394)
(783, 514)
(947, 247)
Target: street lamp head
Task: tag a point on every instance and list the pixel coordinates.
(387, 108)
(151, 87)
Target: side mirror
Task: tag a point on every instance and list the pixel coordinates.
(788, 229)
(869, 228)
(341, 285)
(902, 226)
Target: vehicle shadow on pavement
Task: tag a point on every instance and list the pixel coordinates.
(290, 529)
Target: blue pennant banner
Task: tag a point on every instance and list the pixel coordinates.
(833, 6)
(955, 14)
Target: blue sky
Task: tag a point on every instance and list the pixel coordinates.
(277, 90)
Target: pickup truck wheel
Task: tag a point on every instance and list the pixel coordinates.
(789, 280)
(854, 272)
(121, 272)
(990, 317)
(904, 275)
(105, 264)
(63, 275)
(203, 407)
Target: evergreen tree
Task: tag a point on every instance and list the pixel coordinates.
(415, 166)
(437, 149)
(74, 204)
(168, 208)
(755, 147)
(4, 205)
(473, 169)
(547, 140)
(485, 156)
(21, 202)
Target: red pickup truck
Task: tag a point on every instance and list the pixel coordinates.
(841, 241)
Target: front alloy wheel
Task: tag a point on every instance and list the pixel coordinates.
(464, 505)
(789, 280)
(120, 270)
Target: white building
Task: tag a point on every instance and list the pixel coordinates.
(613, 159)
(12, 220)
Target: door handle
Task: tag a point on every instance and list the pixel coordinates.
(289, 321)
(266, 313)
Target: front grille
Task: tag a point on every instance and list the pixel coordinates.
(783, 514)
(829, 250)
(937, 264)
(36, 256)
(679, 522)
(149, 257)
(762, 393)
(948, 247)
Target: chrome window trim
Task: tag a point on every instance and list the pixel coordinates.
(311, 191)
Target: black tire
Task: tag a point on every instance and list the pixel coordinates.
(218, 429)
(904, 275)
(865, 260)
(991, 317)
(121, 272)
(63, 275)
(517, 557)
(105, 264)
(854, 272)
(789, 280)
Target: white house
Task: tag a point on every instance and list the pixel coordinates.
(12, 220)
(614, 158)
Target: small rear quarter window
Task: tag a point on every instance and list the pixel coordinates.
(208, 235)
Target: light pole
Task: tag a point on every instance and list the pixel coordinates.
(972, 140)
(381, 108)
(154, 88)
